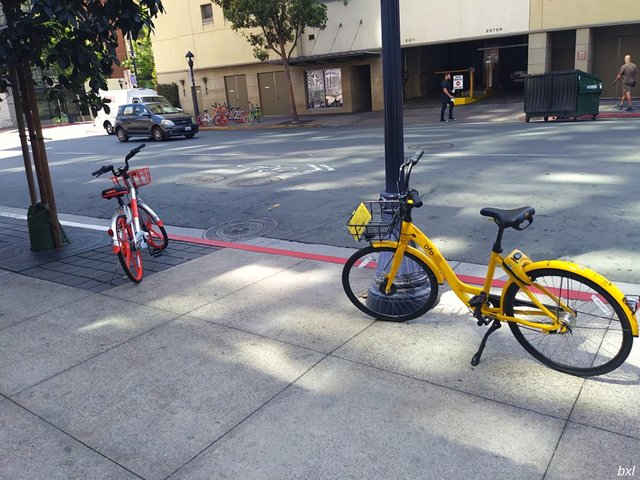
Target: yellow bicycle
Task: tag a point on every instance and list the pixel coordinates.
(567, 316)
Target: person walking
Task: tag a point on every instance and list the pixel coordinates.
(446, 97)
(628, 75)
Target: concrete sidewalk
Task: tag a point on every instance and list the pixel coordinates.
(500, 108)
(249, 362)
(252, 364)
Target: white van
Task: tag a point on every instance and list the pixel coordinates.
(122, 97)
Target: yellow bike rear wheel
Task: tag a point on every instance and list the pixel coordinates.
(598, 335)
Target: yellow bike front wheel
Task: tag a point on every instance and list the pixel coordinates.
(413, 292)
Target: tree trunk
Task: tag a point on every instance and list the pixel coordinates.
(287, 71)
(26, 156)
(27, 88)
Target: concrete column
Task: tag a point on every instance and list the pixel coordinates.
(584, 49)
(539, 53)
(377, 94)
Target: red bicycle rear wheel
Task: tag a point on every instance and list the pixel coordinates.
(129, 255)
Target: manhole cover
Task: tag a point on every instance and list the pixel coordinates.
(238, 230)
(430, 146)
(254, 182)
(199, 179)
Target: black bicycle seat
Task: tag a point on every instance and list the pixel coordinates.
(114, 192)
(513, 218)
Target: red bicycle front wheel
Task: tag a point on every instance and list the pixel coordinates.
(129, 254)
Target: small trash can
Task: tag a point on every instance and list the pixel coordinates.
(41, 229)
(569, 94)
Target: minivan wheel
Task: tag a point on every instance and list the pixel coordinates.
(109, 128)
(121, 134)
(157, 134)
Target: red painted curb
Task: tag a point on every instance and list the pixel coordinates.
(258, 249)
(303, 255)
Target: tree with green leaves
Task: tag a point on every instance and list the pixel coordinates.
(275, 26)
(78, 39)
(145, 64)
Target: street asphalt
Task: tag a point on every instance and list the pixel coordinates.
(246, 360)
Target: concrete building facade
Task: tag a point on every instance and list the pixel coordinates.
(488, 44)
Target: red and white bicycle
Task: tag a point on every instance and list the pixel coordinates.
(134, 225)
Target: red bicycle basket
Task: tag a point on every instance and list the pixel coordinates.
(138, 177)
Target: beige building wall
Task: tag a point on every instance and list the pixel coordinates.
(219, 51)
(424, 22)
(354, 28)
(562, 14)
(181, 29)
(605, 30)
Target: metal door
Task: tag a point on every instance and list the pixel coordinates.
(141, 121)
(274, 98)
(236, 89)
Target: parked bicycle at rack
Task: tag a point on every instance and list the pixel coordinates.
(567, 316)
(221, 118)
(255, 114)
(134, 225)
(238, 115)
(204, 119)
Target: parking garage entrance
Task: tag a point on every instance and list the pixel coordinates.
(498, 63)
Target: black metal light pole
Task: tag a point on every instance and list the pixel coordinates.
(411, 283)
(392, 86)
(132, 53)
(194, 97)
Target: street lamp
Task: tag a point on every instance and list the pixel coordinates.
(194, 98)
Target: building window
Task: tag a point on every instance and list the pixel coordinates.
(206, 11)
(324, 88)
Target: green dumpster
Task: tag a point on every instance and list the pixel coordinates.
(568, 94)
(589, 90)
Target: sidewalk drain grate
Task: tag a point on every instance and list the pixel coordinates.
(239, 230)
(254, 182)
(199, 179)
(17, 256)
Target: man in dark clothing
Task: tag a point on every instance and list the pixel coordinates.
(446, 96)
